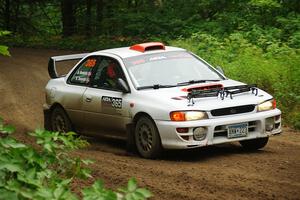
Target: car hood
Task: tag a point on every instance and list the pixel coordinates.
(175, 98)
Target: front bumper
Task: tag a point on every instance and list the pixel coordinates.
(217, 129)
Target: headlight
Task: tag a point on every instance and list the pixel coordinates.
(267, 105)
(187, 115)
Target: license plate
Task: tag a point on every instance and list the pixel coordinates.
(237, 130)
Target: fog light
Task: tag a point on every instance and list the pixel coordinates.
(199, 133)
(269, 124)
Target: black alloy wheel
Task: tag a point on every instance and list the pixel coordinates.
(60, 121)
(147, 138)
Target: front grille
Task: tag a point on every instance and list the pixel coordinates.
(221, 131)
(233, 110)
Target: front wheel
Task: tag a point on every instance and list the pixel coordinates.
(60, 121)
(147, 138)
(254, 144)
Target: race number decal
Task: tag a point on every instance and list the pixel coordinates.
(112, 101)
(90, 63)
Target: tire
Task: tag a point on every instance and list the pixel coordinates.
(147, 138)
(60, 121)
(254, 144)
(130, 142)
(47, 120)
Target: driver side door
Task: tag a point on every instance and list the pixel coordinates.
(104, 103)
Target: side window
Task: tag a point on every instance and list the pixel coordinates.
(107, 74)
(83, 73)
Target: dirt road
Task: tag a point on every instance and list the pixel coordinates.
(222, 172)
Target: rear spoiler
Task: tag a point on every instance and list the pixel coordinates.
(52, 61)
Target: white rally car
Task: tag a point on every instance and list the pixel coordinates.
(157, 97)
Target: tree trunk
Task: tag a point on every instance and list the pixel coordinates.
(15, 26)
(7, 15)
(88, 28)
(99, 15)
(68, 17)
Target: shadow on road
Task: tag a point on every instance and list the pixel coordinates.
(118, 147)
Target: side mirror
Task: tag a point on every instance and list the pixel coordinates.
(220, 69)
(123, 85)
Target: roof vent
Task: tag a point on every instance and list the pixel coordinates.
(149, 46)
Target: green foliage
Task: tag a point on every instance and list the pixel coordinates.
(47, 171)
(265, 3)
(6, 129)
(144, 19)
(97, 191)
(295, 120)
(4, 49)
(75, 42)
(2, 33)
(131, 192)
(27, 173)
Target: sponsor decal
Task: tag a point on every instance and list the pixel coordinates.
(157, 58)
(82, 79)
(136, 62)
(180, 55)
(82, 76)
(113, 102)
(84, 73)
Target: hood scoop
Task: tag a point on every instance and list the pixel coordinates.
(222, 92)
(213, 86)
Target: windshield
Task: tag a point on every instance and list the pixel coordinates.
(169, 69)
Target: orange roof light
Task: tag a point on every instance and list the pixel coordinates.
(148, 46)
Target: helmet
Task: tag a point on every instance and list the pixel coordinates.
(111, 72)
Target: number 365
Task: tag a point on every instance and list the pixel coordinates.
(116, 103)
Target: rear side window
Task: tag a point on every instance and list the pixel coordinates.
(83, 73)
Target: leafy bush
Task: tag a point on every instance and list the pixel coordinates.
(70, 43)
(46, 171)
(4, 49)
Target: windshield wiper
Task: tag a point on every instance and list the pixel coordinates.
(194, 81)
(155, 86)
(158, 86)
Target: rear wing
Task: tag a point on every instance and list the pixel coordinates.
(52, 62)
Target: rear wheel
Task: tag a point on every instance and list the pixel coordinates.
(60, 121)
(254, 144)
(147, 138)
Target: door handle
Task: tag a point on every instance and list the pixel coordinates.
(88, 99)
